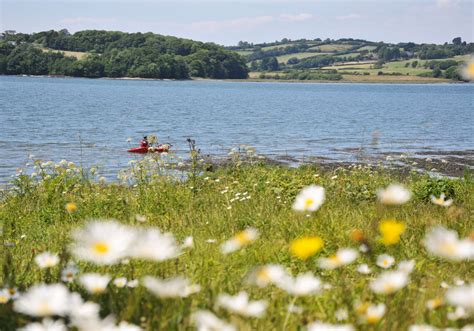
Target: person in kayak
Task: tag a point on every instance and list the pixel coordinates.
(144, 142)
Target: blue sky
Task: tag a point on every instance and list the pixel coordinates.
(226, 22)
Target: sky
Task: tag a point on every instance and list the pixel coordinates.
(227, 22)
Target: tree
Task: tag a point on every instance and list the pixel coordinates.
(457, 41)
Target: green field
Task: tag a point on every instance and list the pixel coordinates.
(303, 55)
(212, 207)
(332, 48)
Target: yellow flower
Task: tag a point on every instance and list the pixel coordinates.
(391, 231)
(305, 247)
(71, 207)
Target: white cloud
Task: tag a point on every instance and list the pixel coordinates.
(249, 23)
(447, 3)
(295, 18)
(86, 20)
(351, 16)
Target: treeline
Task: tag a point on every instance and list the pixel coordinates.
(117, 54)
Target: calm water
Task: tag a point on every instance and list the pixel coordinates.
(48, 117)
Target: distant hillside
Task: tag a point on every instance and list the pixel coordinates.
(93, 53)
(346, 58)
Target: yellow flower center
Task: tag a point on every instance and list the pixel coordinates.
(71, 207)
(449, 248)
(97, 289)
(372, 319)
(101, 248)
(263, 275)
(335, 259)
(385, 263)
(362, 308)
(3, 299)
(388, 288)
(308, 203)
(44, 309)
(242, 238)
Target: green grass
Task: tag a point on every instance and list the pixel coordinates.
(34, 220)
(332, 48)
(303, 55)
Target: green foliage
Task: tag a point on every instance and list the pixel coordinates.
(430, 186)
(118, 54)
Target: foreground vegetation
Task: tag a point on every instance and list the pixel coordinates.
(43, 209)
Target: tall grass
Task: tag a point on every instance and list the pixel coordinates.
(216, 205)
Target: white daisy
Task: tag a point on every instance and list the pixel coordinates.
(268, 274)
(343, 257)
(321, 326)
(102, 242)
(5, 295)
(446, 244)
(462, 296)
(125, 326)
(241, 305)
(441, 201)
(153, 245)
(132, 283)
(94, 283)
(385, 261)
(364, 269)
(309, 199)
(80, 310)
(301, 285)
(178, 287)
(46, 260)
(240, 240)
(406, 266)
(389, 282)
(374, 313)
(188, 242)
(207, 321)
(44, 300)
(120, 282)
(394, 194)
(422, 327)
(45, 325)
(341, 314)
(69, 272)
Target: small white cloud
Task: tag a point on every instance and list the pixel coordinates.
(295, 18)
(351, 16)
(447, 3)
(87, 20)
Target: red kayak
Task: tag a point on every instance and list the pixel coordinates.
(163, 148)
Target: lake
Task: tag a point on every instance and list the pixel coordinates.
(88, 121)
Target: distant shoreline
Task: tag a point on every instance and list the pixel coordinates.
(258, 80)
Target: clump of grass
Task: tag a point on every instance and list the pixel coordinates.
(212, 207)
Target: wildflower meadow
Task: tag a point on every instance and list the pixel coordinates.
(245, 246)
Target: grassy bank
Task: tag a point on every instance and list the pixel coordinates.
(212, 207)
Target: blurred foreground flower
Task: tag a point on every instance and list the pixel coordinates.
(46, 260)
(321, 326)
(301, 285)
(389, 282)
(406, 266)
(69, 272)
(467, 71)
(241, 305)
(94, 283)
(422, 327)
(446, 243)
(5, 295)
(385, 261)
(462, 296)
(364, 269)
(306, 247)
(391, 230)
(45, 325)
(393, 195)
(266, 275)
(207, 321)
(343, 257)
(102, 242)
(71, 207)
(178, 287)
(370, 314)
(309, 199)
(441, 201)
(151, 244)
(240, 240)
(44, 300)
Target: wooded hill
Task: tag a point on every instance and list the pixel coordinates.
(94, 54)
